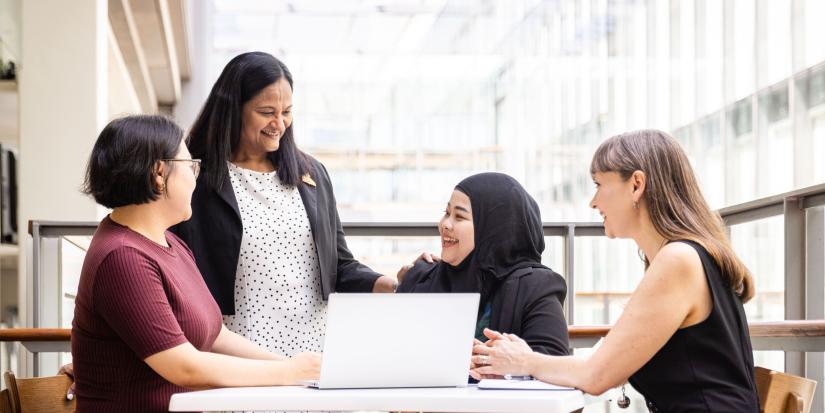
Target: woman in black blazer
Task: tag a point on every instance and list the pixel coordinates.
(264, 230)
(492, 240)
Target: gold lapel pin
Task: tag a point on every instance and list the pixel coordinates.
(308, 180)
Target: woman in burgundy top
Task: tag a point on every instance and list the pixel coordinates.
(145, 324)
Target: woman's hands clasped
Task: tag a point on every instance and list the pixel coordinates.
(501, 354)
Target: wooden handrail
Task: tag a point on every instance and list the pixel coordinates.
(35, 334)
(789, 328)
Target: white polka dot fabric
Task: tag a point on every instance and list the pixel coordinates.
(278, 300)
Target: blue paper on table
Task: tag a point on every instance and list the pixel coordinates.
(498, 384)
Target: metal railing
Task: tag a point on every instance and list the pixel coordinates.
(792, 205)
(804, 256)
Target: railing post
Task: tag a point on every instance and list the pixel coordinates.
(795, 296)
(815, 270)
(569, 271)
(35, 302)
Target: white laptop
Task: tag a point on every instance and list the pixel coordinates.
(397, 340)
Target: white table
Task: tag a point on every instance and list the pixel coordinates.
(468, 399)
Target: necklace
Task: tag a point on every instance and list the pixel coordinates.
(623, 401)
(642, 255)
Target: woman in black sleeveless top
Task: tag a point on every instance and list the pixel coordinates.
(682, 340)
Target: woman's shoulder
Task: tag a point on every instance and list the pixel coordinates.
(678, 267)
(115, 263)
(539, 279)
(111, 237)
(420, 272)
(536, 274)
(680, 255)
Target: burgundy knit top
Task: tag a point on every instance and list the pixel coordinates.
(135, 298)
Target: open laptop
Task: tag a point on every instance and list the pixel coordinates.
(397, 340)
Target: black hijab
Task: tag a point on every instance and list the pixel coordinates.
(508, 236)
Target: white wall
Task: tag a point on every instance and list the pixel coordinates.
(63, 105)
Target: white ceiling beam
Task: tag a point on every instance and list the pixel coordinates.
(180, 30)
(128, 42)
(154, 26)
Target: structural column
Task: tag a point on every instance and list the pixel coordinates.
(63, 106)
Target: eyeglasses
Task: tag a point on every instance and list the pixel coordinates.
(195, 164)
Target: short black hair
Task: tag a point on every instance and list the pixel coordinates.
(216, 132)
(122, 166)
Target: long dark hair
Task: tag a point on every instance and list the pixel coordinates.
(217, 130)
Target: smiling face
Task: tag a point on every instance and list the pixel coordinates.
(266, 118)
(456, 229)
(614, 200)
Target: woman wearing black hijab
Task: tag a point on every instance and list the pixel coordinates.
(492, 240)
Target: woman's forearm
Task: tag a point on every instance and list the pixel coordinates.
(186, 366)
(233, 344)
(570, 371)
(218, 370)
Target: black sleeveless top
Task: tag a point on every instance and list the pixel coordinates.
(706, 367)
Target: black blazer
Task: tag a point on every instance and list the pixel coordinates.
(215, 230)
(527, 303)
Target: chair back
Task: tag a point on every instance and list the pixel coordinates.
(783, 393)
(39, 394)
(5, 402)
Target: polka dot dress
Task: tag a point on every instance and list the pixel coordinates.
(278, 300)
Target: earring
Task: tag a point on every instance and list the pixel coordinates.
(161, 188)
(635, 205)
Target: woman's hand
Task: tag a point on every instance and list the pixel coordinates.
(476, 342)
(474, 366)
(305, 366)
(385, 284)
(502, 354)
(426, 256)
(68, 369)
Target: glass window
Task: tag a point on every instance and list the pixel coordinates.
(709, 162)
(709, 56)
(744, 31)
(814, 29)
(777, 132)
(742, 156)
(777, 42)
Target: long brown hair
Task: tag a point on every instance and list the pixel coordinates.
(677, 208)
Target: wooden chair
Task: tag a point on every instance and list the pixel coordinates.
(39, 394)
(5, 402)
(783, 393)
